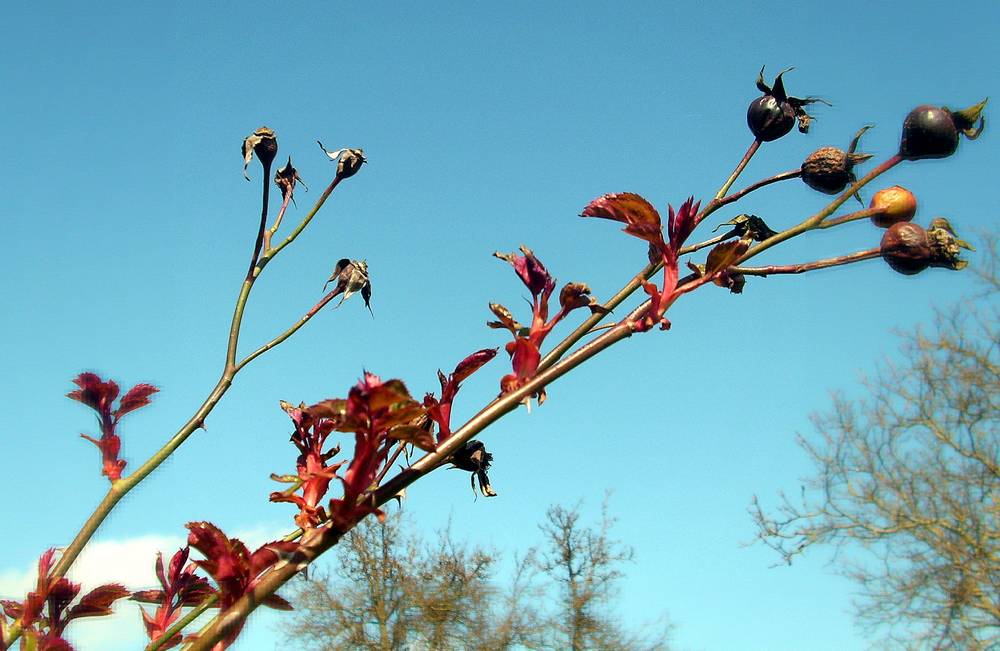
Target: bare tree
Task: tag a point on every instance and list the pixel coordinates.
(393, 592)
(585, 563)
(910, 476)
(364, 603)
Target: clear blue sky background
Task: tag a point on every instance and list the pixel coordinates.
(487, 125)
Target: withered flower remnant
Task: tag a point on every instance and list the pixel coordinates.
(286, 178)
(349, 161)
(351, 276)
(473, 458)
(830, 170)
(773, 114)
(263, 143)
(748, 226)
(932, 131)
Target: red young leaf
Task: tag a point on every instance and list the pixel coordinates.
(148, 596)
(472, 363)
(98, 601)
(530, 270)
(93, 392)
(11, 608)
(138, 396)
(681, 223)
(639, 216)
(53, 642)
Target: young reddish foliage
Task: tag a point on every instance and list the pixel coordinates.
(380, 414)
(439, 410)
(642, 221)
(100, 396)
(180, 587)
(52, 597)
(313, 471)
(525, 350)
(234, 569)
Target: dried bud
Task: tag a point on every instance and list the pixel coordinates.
(574, 295)
(351, 276)
(263, 143)
(830, 170)
(349, 161)
(506, 319)
(772, 115)
(286, 178)
(932, 132)
(896, 204)
(909, 249)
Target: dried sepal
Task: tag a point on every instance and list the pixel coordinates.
(263, 143)
(506, 319)
(576, 295)
(966, 119)
(349, 161)
(751, 226)
(351, 276)
(772, 115)
(415, 435)
(286, 178)
(473, 457)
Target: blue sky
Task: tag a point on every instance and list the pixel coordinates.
(487, 125)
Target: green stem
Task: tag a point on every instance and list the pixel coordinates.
(814, 221)
(289, 332)
(277, 221)
(850, 217)
(751, 150)
(736, 196)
